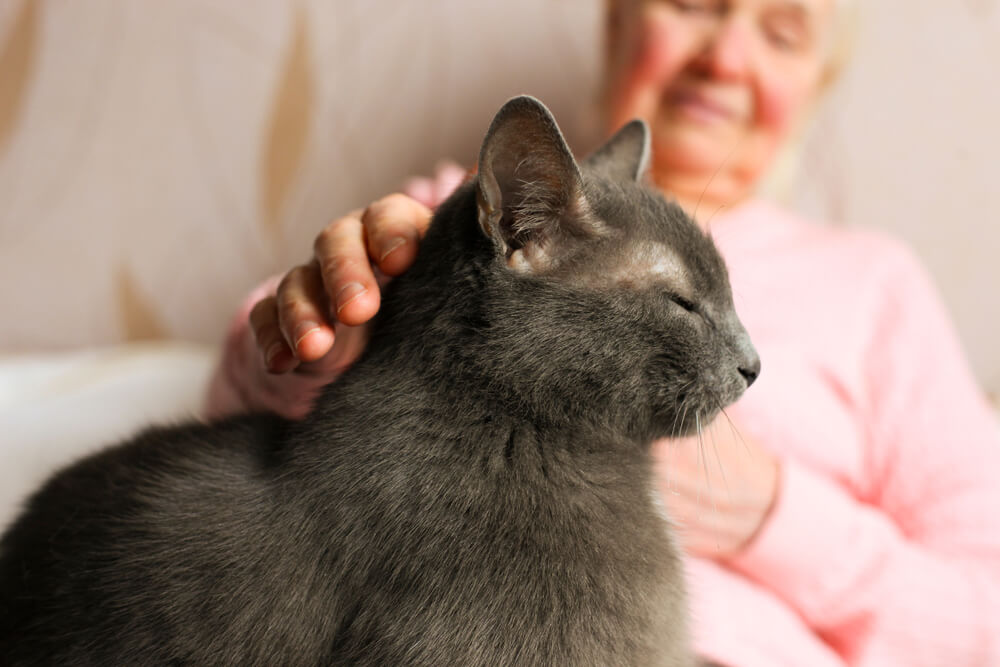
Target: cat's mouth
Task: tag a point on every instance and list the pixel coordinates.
(687, 409)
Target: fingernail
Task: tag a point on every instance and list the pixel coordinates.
(349, 293)
(304, 329)
(272, 353)
(391, 245)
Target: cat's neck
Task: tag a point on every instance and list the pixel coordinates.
(403, 399)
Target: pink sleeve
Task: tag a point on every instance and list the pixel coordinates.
(910, 575)
(240, 382)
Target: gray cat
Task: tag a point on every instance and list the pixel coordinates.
(475, 490)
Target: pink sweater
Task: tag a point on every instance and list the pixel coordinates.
(884, 545)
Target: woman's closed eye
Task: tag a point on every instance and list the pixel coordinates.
(788, 28)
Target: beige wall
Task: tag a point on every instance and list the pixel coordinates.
(158, 158)
(910, 143)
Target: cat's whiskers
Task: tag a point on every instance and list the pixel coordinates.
(676, 426)
(684, 411)
(685, 404)
(715, 510)
(734, 430)
(718, 461)
(703, 461)
(708, 184)
(714, 213)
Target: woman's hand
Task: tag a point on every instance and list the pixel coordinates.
(313, 322)
(291, 338)
(718, 489)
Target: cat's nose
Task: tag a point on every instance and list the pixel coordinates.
(750, 369)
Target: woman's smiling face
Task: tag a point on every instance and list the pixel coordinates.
(722, 83)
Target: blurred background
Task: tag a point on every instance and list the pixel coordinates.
(158, 159)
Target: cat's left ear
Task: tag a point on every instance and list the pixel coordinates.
(530, 191)
(625, 156)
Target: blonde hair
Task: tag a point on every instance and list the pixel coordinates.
(779, 180)
(845, 31)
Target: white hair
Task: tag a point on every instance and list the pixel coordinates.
(842, 38)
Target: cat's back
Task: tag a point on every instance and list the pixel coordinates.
(176, 468)
(164, 548)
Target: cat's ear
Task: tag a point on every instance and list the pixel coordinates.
(625, 156)
(530, 191)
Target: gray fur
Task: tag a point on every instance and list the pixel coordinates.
(475, 490)
(625, 156)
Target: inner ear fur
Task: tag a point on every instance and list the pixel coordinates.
(530, 191)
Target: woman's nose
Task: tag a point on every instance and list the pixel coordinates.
(726, 53)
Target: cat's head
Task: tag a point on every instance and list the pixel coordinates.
(601, 292)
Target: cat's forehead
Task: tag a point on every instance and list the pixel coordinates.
(646, 262)
(651, 241)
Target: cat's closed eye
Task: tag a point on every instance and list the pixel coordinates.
(686, 304)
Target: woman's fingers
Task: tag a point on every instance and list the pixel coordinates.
(278, 357)
(339, 285)
(347, 275)
(302, 307)
(393, 227)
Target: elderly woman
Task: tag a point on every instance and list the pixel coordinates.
(851, 514)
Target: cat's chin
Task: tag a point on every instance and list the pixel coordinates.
(684, 425)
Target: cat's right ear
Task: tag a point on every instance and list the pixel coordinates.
(530, 191)
(625, 156)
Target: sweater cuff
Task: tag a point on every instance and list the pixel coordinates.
(816, 545)
(239, 361)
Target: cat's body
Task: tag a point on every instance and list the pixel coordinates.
(476, 490)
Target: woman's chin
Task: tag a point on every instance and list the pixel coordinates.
(696, 147)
